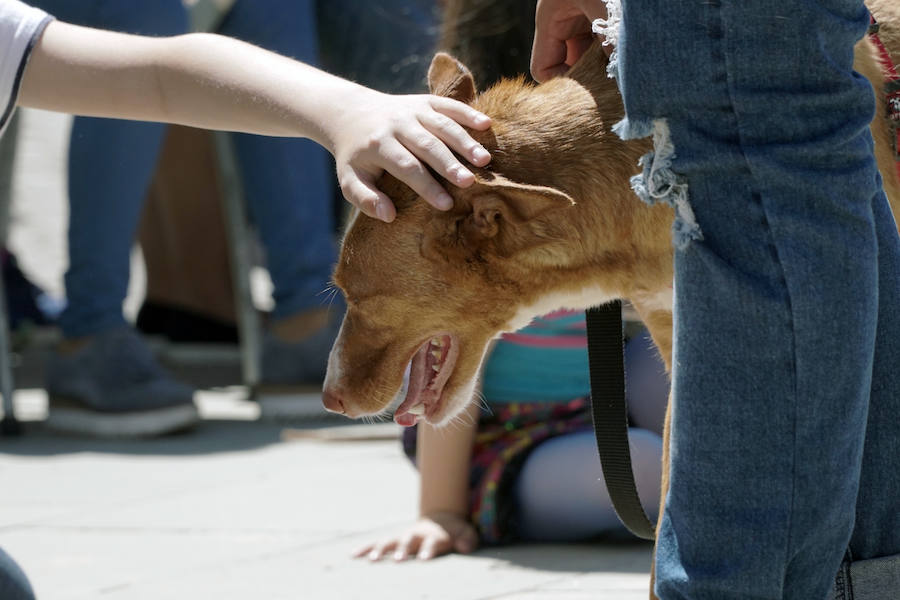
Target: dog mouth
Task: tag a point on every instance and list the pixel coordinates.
(431, 367)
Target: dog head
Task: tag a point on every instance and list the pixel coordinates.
(431, 289)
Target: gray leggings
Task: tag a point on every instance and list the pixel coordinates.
(560, 495)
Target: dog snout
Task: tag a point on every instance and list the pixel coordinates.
(333, 403)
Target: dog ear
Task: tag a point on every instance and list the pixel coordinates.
(505, 214)
(449, 77)
(495, 216)
(498, 199)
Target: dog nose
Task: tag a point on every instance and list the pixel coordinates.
(333, 402)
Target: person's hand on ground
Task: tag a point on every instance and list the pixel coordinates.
(431, 536)
(562, 34)
(404, 135)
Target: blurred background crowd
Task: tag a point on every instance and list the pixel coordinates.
(143, 268)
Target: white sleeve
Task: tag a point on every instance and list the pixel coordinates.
(20, 27)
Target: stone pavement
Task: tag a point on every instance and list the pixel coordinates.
(239, 508)
(242, 509)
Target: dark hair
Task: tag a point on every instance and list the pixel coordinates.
(492, 37)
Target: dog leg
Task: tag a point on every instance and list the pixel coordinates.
(659, 324)
(664, 488)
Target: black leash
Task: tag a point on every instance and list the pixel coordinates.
(607, 367)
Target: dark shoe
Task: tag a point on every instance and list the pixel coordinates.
(13, 583)
(113, 387)
(183, 326)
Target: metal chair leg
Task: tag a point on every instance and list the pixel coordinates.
(240, 248)
(9, 425)
(206, 15)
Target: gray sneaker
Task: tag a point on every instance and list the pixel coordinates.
(113, 387)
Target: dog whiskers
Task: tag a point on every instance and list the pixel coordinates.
(329, 288)
(482, 402)
(331, 291)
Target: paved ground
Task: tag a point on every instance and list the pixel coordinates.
(241, 509)
(238, 509)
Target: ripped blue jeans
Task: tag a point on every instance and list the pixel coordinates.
(785, 449)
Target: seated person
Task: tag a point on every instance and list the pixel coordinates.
(522, 464)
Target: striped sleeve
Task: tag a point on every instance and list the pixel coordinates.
(543, 362)
(20, 27)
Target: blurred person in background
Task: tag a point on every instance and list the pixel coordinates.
(103, 379)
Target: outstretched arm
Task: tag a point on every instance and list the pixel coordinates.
(215, 82)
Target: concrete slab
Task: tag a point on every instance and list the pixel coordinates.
(233, 511)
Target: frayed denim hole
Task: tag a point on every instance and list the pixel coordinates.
(658, 183)
(609, 29)
(628, 129)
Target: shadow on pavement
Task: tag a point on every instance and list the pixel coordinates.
(614, 553)
(209, 437)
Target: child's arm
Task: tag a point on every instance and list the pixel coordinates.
(215, 82)
(443, 457)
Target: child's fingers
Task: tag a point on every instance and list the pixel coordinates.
(460, 112)
(359, 190)
(432, 547)
(381, 549)
(362, 551)
(407, 547)
(403, 165)
(431, 150)
(457, 138)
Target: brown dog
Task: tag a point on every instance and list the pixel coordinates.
(552, 222)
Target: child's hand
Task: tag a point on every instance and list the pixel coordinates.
(380, 132)
(431, 536)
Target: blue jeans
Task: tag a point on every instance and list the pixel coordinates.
(785, 450)
(288, 182)
(386, 45)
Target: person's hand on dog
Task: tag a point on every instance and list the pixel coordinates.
(404, 135)
(431, 536)
(562, 34)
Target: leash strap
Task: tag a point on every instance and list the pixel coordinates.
(610, 414)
